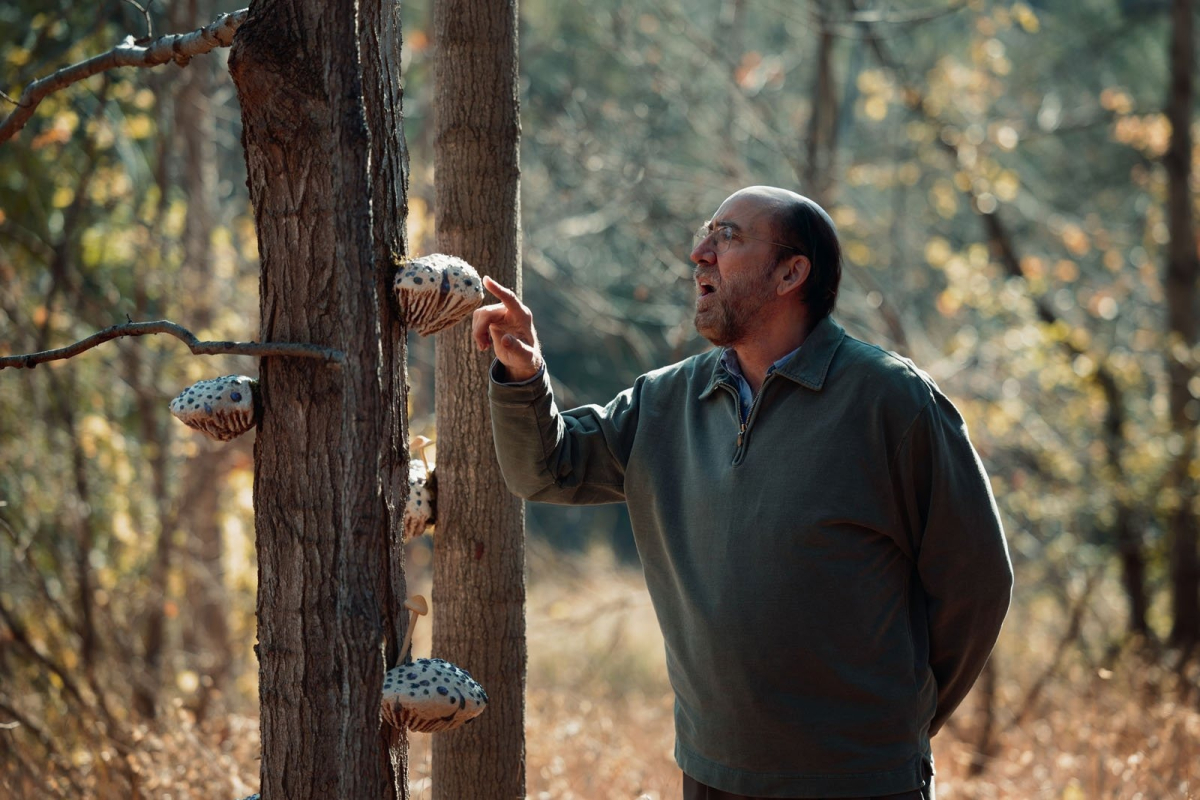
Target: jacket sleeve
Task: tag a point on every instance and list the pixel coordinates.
(574, 457)
(962, 557)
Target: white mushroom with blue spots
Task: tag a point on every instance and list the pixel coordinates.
(429, 695)
(421, 510)
(222, 408)
(436, 291)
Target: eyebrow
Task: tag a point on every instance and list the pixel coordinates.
(724, 223)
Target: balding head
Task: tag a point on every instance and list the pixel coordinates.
(800, 223)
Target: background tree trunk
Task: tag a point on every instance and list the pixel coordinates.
(1182, 272)
(479, 559)
(330, 444)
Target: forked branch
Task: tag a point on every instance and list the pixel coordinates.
(197, 347)
(177, 47)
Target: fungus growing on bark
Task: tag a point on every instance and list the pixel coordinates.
(429, 694)
(436, 291)
(222, 408)
(421, 510)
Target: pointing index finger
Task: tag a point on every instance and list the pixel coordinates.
(504, 293)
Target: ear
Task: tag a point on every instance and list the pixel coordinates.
(796, 270)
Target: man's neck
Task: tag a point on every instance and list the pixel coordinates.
(760, 351)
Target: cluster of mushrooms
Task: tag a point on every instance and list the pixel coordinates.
(433, 293)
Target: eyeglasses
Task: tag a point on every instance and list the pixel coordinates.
(723, 236)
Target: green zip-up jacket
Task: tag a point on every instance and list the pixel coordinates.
(830, 577)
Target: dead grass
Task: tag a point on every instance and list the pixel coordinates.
(599, 714)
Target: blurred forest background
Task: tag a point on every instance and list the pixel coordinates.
(1006, 182)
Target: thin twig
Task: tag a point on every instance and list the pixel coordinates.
(177, 47)
(145, 14)
(199, 348)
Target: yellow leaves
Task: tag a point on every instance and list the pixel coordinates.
(139, 126)
(1075, 240)
(756, 71)
(944, 198)
(1006, 186)
(1007, 138)
(1066, 271)
(1102, 304)
(908, 173)
(1149, 133)
(937, 252)
(144, 99)
(878, 92)
(62, 197)
(122, 527)
(1116, 100)
(187, 681)
(110, 184)
(1026, 17)
(875, 108)
(417, 41)
(858, 252)
(844, 217)
(949, 301)
(60, 130)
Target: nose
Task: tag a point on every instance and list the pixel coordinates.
(704, 252)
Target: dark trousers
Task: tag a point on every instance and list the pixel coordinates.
(693, 790)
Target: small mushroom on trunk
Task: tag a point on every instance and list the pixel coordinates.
(436, 291)
(222, 408)
(421, 509)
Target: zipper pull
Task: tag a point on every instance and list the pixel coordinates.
(741, 435)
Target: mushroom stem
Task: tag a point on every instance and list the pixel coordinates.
(417, 605)
(420, 444)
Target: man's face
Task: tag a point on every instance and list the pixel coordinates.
(733, 286)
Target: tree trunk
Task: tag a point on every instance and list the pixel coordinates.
(479, 560)
(1183, 269)
(330, 443)
(823, 121)
(206, 628)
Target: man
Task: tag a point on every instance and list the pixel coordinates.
(818, 536)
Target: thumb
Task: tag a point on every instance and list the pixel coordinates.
(513, 343)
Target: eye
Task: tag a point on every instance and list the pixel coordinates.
(725, 234)
(235, 396)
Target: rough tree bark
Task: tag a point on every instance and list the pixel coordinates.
(479, 560)
(1182, 272)
(319, 88)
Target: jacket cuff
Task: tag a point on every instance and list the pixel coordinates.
(502, 392)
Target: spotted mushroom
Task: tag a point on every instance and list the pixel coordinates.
(429, 694)
(436, 291)
(222, 408)
(421, 510)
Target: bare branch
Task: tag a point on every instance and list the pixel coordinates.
(177, 47)
(199, 348)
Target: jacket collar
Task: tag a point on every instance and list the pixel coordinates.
(808, 367)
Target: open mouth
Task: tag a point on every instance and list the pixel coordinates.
(704, 288)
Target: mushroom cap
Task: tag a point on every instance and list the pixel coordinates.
(436, 291)
(431, 695)
(421, 509)
(222, 408)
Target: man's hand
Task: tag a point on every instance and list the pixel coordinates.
(508, 327)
